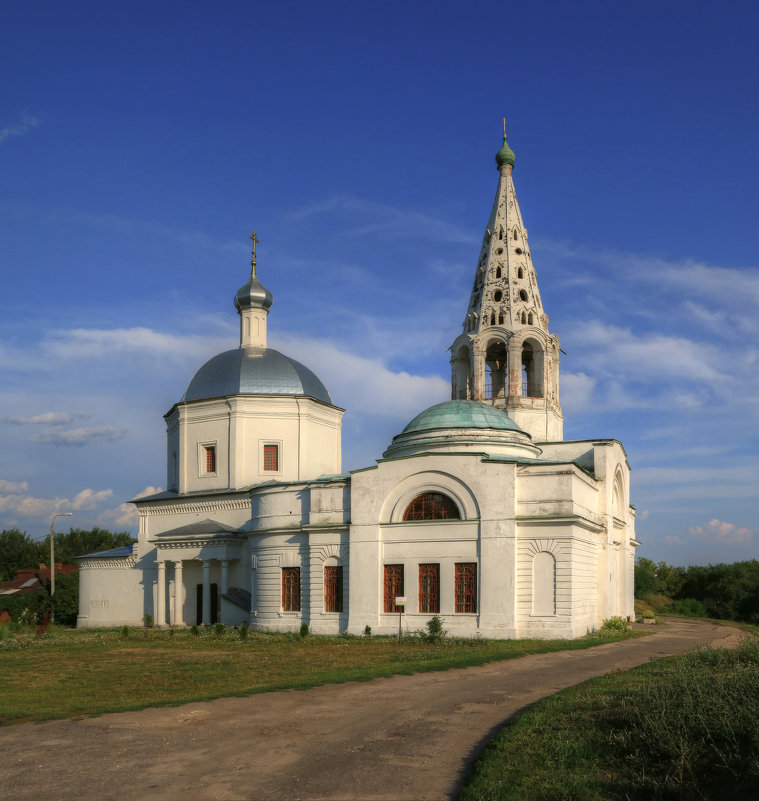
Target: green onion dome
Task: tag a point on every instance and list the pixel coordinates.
(505, 155)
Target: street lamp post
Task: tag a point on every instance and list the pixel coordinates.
(52, 560)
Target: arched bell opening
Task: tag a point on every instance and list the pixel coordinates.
(532, 369)
(496, 365)
(462, 374)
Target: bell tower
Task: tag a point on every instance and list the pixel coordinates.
(505, 355)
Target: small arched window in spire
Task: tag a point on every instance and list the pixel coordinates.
(524, 319)
(516, 234)
(497, 272)
(492, 318)
(529, 319)
(520, 273)
(500, 233)
(432, 506)
(500, 319)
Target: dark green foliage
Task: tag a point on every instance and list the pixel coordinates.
(19, 551)
(125, 632)
(729, 592)
(243, 631)
(194, 631)
(37, 603)
(304, 629)
(66, 598)
(79, 542)
(724, 591)
(219, 629)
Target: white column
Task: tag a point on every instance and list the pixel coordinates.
(160, 612)
(178, 594)
(206, 592)
(225, 576)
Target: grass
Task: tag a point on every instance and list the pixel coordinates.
(677, 728)
(72, 673)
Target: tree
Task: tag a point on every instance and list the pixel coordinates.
(79, 542)
(18, 551)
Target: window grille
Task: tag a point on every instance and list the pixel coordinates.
(466, 587)
(333, 588)
(271, 457)
(393, 587)
(210, 458)
(291, 589)
(429, 589)
(431, 506)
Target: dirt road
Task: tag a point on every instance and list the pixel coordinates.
(408, 738)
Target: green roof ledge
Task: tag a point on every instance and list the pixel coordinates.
(505, 155)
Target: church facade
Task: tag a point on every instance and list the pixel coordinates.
(478, 511)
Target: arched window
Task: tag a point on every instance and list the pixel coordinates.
(520, 273)
(500, 319)
(529, 319)
(497, 272)
(432, 506)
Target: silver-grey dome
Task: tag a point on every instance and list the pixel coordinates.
(254, 371)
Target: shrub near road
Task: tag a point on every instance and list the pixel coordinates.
(678, 728)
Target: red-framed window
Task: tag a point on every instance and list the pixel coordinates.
(333, 588)
(429, 588)
(271, 457)
(291, 589)
(210, 454)
(393, 587)
(466, 587)
(432, 506)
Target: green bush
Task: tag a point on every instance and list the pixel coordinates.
(367, 631)
(435, 631)
(125, 632)
(690, 607)
(219, 629)
(614, 624)
(303, 630)
(243, 631)
(194, 631)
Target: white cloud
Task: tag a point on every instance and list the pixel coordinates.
(13, 486)
(26, 123)
(99, 343)
(125, 514)
(674, 540)
(721, 531)
(577, 392)
(77, 436)
(30, 506)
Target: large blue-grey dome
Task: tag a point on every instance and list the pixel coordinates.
(254, 371)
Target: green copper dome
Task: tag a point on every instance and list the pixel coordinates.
(505, 155)
(461, 414)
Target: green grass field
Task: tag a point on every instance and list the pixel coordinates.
(70, 673)
(677, 728)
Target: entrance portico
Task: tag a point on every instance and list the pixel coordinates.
(204, 551)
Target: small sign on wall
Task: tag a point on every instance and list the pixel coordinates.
(400, 600)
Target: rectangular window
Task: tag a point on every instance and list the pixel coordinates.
(271, 457)
(333, 588)
(210, 454)
(466, 587)
(429, 589)
(393, 587)
(291, 589)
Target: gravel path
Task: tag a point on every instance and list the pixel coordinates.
(407, 738)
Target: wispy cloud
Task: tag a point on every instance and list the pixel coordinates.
(25, 123)
(47, 418)
(360, 217)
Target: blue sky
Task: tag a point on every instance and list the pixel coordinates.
(140, 143)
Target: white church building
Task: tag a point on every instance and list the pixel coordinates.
(478, 511)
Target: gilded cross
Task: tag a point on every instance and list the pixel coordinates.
(254, 239)
(504, 126)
